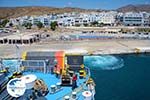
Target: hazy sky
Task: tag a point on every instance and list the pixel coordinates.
(103, 4)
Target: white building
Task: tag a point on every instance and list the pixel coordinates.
(108, 18)
(146, 18)
(82, 19)
(133, 19)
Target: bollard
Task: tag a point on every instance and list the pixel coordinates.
(74, 95)
(58, 85)
(66, 98)
(53, 88)
(87, 95)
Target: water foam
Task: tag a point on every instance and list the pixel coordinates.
(106, 62)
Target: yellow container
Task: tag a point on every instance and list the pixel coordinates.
(24, 55)
(82, 74)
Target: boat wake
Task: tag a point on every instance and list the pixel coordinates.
(106, 62)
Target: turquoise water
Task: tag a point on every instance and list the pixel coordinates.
(130, 80)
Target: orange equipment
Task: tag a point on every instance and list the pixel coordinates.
(60, 58)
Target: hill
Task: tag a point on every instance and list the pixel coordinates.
(13, 12)
(135, 8)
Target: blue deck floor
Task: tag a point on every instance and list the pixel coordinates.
(50, 79)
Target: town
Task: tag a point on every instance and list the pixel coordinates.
(96, 19)
(80, 26)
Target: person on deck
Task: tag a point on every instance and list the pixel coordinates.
(74, 81)
(56, 71)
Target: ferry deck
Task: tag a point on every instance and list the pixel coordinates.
(49, 79)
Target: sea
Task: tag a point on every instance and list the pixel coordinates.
(120, 77)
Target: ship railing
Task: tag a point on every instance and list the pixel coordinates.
(80, 88)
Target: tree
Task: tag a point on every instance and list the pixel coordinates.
(39, 25)
(53, 25)
(77, 25)
(27, 25)
(30, 25)
(95, 23)
(143, 30)
(4, 22)
(85, 25)
(121, 30)
(101, 24)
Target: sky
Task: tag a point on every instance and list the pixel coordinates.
(87, 4)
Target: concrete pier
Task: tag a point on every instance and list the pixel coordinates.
(92, 46)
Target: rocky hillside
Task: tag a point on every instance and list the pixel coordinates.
(135, 8)
(12, 12)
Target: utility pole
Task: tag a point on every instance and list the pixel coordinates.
(19, 28)
(18, 58)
